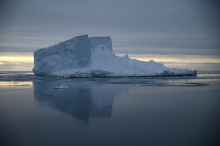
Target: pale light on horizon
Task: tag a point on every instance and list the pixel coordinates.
(25, 61)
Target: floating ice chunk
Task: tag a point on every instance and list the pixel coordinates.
(22, 85)
(63, 86)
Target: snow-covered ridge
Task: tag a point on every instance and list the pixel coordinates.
(82, 56)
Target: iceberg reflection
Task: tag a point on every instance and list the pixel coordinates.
(81, 101)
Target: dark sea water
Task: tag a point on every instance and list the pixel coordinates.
(166, 111)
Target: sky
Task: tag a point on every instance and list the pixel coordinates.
(174, 32)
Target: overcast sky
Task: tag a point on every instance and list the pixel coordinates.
(181, 27)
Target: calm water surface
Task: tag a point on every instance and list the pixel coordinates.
(127, 111)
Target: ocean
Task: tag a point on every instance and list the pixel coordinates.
(109, 111)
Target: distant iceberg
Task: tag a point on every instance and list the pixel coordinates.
(84, 56)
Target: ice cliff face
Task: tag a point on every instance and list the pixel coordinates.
(106, 41)
(82, 56)
(73, 53)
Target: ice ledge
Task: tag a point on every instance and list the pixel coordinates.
(104, 74)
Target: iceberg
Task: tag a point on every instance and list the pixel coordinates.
(84, 56)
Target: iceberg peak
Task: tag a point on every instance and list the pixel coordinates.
(125, 57)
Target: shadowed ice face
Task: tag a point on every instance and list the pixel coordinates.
(79, 101)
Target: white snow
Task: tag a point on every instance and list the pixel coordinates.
(76, 58)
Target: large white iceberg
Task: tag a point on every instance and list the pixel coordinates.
(82, 56)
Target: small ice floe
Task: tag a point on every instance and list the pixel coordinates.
(61, 87)
(22, 85)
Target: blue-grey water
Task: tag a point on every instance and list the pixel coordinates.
(109, 111)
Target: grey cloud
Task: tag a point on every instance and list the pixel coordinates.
(180, 25)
